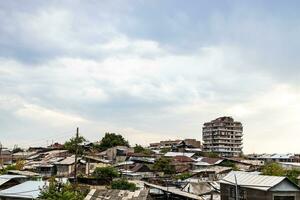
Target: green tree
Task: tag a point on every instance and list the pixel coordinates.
(139, 149)
(112, 140)
(273, 169)
(105, 173)
(17, 149)
(183, 176)
(60, 191)
(71, 144)
(123, 184)
(164, 164)
(165, 150)
(228, 163)
(293, 174)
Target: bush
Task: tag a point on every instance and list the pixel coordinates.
(123, 184)
(273, 169)
(60, 191)
(164, 165)
(105, 173)
(183, 176)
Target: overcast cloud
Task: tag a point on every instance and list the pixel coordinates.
(149, 70)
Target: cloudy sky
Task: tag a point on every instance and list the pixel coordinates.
(149, 70)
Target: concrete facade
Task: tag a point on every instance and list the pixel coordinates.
(223, 136)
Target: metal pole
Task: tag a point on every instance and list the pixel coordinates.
(236, 188)
(76, 152)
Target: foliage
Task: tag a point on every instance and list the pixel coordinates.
(209, 154)
(112, 140)
(123, 184)
(163, 164)
(17, 149)
(183, 176)
(165, 150)
(19, 164)
(60, 191)
(293, 175)
(273, 169)
(71, 144)
(105, 173)
(7, 168)
(140, 149)
(228, 163)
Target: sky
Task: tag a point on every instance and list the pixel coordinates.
(149, 70)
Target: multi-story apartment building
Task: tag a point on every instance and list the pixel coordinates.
(223, 136)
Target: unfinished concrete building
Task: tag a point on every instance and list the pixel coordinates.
(223, 136)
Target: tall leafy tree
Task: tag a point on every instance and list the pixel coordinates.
(164, 165)
(112, 140)
(273, 169)
(71, 144)
(105, 173)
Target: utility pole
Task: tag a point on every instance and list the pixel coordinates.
(76, 155)
(1, 155)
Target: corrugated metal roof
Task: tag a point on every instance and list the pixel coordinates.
(173, 154)
(8, 177)
(67, 161)
(28, 189)
(117, 194)
(250, 180)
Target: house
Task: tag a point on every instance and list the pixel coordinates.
(210, 190)
(65, 167)
(161, 192)
(92, 162)
(5, 157)
(182, 163)
(117, 153)
(251, 186)
(22, 155)
(45, 170)
(23, 191)
(211, 173)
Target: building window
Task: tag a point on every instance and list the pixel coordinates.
(242, 193)
(284, 197)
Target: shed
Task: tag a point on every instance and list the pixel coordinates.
(251, 186)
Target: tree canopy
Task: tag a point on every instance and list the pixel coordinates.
(139, 149)
(105, 173)
(60, 191)
(164, 165)
(112, 140)
(273, 169)
(123, 184)
(71, 144)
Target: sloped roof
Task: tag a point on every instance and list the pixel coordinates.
(26, 190)
(117, 194)
(173, 154)
(8, 177)
(67, 161)
(24, 173)
(216, 169)
(182, 159)
(254, 181)
(213, 161)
